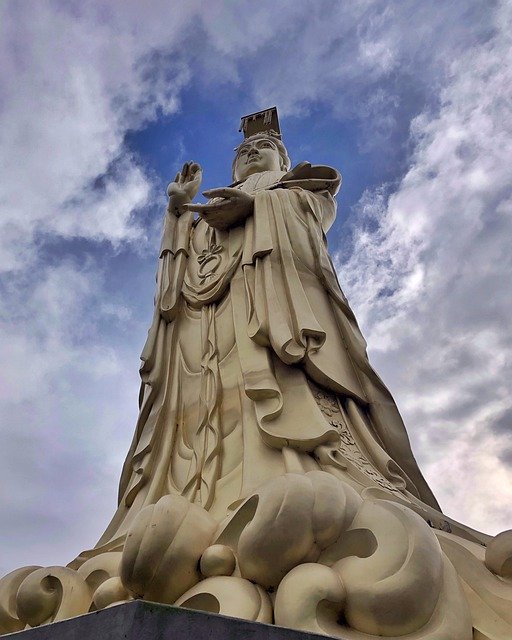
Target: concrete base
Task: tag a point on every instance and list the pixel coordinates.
(139, 620)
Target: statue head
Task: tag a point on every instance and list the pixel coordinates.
(262, 151)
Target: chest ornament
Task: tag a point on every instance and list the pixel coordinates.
(209, 261)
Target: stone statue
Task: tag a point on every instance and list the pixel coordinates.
(270, 468)
(250, 320)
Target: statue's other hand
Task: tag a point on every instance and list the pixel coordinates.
(183, 189)
(227, 207)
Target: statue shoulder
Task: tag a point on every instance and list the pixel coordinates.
(312, 177)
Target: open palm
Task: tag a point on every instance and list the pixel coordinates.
(184, 187)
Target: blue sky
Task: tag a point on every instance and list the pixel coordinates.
(101, 103)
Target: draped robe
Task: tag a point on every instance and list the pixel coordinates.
(254, 364)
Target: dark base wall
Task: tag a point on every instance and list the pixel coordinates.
(140, 620)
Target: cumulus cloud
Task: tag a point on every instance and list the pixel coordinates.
(430, 280)
(355, 56)
(77, 77)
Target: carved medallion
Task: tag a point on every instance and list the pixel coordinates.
(209, 261)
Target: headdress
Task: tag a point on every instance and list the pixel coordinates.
(266, 122)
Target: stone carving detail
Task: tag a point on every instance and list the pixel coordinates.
(349, 449)
(339, 565)
(312, 539)
(52, 594)
(217, 560)
(327, 403)
(485, 577)
(209, 260)
(9, 585)
(101, 573)
(311, 597)
(498, 555)
(270, 476)
(163, 548)
(302, 514)
(229, 596)
(352, 453)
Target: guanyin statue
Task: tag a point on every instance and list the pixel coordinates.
(270, 470)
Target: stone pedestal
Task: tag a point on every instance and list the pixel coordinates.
(141, 620)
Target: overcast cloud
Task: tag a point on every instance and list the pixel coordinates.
(432, 285)
(427, 270)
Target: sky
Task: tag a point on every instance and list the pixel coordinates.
(101, 103)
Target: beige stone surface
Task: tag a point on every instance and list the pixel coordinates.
(270, 475)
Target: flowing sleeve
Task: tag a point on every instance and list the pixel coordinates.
(290, 309)
(173, 259)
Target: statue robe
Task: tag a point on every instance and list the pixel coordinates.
(254, 364)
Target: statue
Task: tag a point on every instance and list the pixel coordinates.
(270, 467)
(250, 320)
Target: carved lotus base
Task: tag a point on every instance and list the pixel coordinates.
(305, 551)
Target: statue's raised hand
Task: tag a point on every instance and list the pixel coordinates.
(183, 189)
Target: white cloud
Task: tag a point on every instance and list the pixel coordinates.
(77, 77)
(358, 57)
(431, 286)
(65, 392)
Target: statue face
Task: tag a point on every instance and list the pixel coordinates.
(255, 156)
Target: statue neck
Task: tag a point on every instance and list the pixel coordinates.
(258, 181)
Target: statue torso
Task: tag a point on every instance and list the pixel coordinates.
(214, 255)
